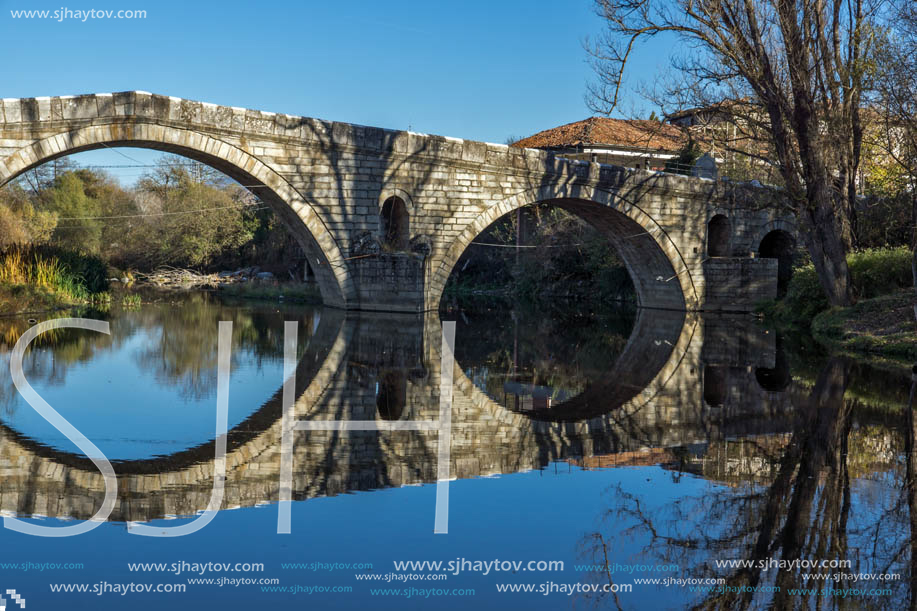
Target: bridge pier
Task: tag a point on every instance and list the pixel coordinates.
(389, 282)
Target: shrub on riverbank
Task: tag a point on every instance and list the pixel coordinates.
(179, 214)
(873, 272)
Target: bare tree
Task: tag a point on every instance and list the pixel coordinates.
(800, 63)
(896, 89)
(44, 176)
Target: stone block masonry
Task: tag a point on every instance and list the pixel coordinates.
(328, 182)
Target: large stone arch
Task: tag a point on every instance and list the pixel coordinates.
(325, 257)
(660, 274)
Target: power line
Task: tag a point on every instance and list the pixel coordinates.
(125, 155)
(522, 246)
(131, 216)
(117, 166)
(230, 182)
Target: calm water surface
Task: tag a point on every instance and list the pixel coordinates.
(703, 452)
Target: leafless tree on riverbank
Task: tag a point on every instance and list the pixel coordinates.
(896, 89)
(801, 63)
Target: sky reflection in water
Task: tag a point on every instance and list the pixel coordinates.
(748, 450)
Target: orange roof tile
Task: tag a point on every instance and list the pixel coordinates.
(643, 134)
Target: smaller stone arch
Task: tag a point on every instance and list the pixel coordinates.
(401, 194)
(719, 236)
(391, 394)
(716, 387)
(398, 206)
(781, 245)
(395, 223)
(784, 224)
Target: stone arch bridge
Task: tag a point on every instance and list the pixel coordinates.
(334, 183)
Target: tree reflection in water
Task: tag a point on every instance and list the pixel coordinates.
(842, 485)
(179, 341)
(554, 352)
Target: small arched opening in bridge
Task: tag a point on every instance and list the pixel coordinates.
(271, 190)
(715, 386)
(395, 223)
(391, 394)
(719, 236)
(781, 245)
(776, 378)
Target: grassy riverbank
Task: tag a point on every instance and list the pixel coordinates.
(35, 279)
(881, 324)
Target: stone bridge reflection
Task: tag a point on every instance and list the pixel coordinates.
(682, 379)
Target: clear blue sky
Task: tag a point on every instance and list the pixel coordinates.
(473, 69)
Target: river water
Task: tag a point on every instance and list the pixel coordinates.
(596, 458)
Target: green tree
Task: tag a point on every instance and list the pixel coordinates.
(77, 229)
(20, 221)
(685, 160)
(194, 215)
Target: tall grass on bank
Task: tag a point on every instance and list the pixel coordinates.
(71, 275)
(873, 272)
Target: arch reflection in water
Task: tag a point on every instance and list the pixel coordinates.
(391, 394)
(776, 378)
(568, 365)
(338, 379)
(147, 389)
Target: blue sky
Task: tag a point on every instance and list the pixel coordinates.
(475, 69)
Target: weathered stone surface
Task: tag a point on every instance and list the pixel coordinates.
(328, 181)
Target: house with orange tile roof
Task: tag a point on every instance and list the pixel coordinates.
(634, 143)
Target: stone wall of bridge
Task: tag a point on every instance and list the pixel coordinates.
(329, 180)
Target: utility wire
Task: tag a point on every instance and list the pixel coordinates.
(523, 246)
(132, 216)
(125, 155)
